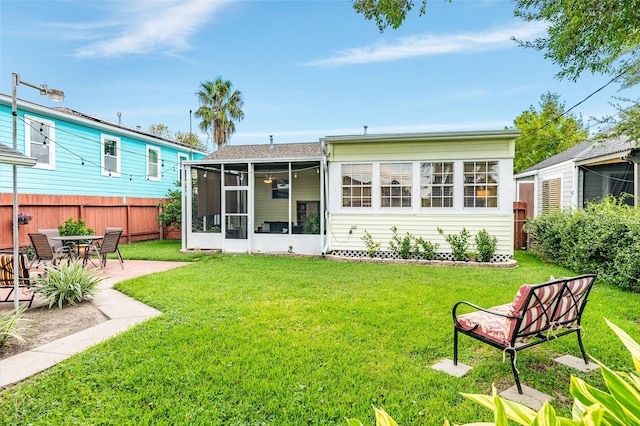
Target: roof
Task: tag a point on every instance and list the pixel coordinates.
(588, 150)
(424, 136)
(302, 150)
(11, 156)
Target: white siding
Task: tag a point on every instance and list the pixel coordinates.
(347, 230)
(564, 171)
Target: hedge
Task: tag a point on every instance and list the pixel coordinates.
(603, 238)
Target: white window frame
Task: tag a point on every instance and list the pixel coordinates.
(442, 185)
(481, 190)
(158, 174)
(396, 188)
(182, 158)
(30, 127)
(103, 167)
(358, 198)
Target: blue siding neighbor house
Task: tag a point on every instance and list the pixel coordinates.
(85, 159)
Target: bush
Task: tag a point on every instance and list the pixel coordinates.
(401, 245)
(372, 247)
(425, 248)
(8, 324)
(171, 208)
(70, 283)
(600, 239)
(485, 245)
(459, 243)
(75, 227)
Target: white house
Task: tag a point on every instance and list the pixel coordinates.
(318, 198)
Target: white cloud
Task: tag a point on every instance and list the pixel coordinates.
(151, 27)
(429, 45)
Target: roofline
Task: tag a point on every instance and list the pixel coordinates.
(482, 134)
(93, 122)
(621, 155)
(525, 174)
(17, 160)
(251, 160)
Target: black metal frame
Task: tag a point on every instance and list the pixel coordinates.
(24, 280)
(552, 330)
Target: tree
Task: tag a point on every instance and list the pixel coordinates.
(546, 133)
(191, 139)
(219, 108)
(588, 35)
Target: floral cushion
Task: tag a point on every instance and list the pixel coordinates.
(6, 270)
(493, 327)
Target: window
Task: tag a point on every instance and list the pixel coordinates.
(551, 195)
(395, 184)
(40, 141)
(110, 155)
(182, 158)
(481, 184)
(436, 184)
(356, 185)
(280, 188)
(153, 163)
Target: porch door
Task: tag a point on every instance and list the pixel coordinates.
(236, 209)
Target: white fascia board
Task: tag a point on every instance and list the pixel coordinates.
(204, 162)
(484, 134)
(616, 156)
(97, 123)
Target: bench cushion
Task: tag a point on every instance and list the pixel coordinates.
(492, 327)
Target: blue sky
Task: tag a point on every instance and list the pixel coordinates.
(306, 69)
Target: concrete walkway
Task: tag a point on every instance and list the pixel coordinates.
(122, 312)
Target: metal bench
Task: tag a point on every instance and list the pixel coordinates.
(538, 313)
(7, 277)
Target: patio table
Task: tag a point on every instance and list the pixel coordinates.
(76, 240)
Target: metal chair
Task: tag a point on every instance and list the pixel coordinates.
(57, 245)
(44, 251)
(109, 245)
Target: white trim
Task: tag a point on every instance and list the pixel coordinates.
(158, 174)
(103, 167)
(182, 157)
(50, 140)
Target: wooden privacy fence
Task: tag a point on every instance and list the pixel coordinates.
(138, 217)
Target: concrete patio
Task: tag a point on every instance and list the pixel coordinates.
(122, 312)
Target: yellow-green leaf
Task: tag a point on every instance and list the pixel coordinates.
(383, 419)
(625, 394)
(588, 395)
(632, 345)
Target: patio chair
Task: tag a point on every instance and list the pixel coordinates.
(57, 245)
(45, 252)
(7, 278)
(539, 313)
(108, 245)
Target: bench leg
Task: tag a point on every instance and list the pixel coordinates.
(584, 355)
(455, 346)
(515, 371)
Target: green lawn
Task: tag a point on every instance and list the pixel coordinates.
(250, 340)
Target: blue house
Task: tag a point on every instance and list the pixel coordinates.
(84, 161)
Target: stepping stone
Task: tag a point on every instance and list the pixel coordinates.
(453, 370)
(530, 397)
(577, 363)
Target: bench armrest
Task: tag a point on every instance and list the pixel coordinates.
(488, 311)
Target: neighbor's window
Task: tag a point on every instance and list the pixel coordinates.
(110, 155)
(481, 184)
(436, 184)
(395, 184)
(550, 195)
(153, 163)
(356, 185)
(40, 141)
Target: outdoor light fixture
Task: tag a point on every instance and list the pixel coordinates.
(54, 95)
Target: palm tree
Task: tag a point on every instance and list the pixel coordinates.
(220, 108)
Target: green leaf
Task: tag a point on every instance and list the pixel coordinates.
(354, 422)
(632, 345)
(383, 419)
(625, 394)
(519, 413)
(588, 395)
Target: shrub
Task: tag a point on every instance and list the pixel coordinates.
(485, 245)
(70, 283)
(426, 249)
(401, 245)
(372, 247)
(8, 323)
(459, 243)
(171, 208)
(75, 227)
(600, 239)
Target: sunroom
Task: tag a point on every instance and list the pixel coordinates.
(257, 199)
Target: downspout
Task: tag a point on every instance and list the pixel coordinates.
(324, 198)
(185, 171)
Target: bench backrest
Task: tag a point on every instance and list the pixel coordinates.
(549, 306)
(6, 270)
